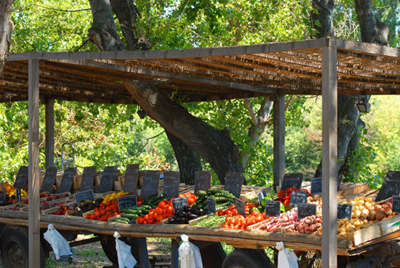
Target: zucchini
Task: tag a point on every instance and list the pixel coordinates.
(201, 193)
(130, 216)
(121, 220)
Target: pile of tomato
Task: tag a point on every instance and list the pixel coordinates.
(240, 222)
(284, 195)
(233, 211)
(104, 211)
(164, 210)
(61, 210)
(190, 197)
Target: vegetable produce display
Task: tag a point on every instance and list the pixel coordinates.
(185, 215)
(210, 221)
(307, 225)
(223, 199)
(240, 222)
(284, 195)
(275, 224)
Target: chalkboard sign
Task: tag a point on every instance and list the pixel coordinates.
(150, 183)
(107, 179)
(179, 203)
(211, 206)
(234, 182)
(396, 204)
(261, 196)
(272, 208)
(339, 181)
(131, 180)
(316, 186)
(292, 180)
(390, 186)
(67, 180)
(83, 196)
(304, 210)
(202, 181)
(2, 196)
(127, 201)
(18, 197)
(298, 197)
(240, 206)
(87, 178)
(171, 184)
(22, 178)
(344, 211)
(132, 166)
(49, 179)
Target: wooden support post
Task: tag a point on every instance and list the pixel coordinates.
(33, 174)
(329, 156)
(49, 133)
(279, 140)
(174, 253)
(143, 253)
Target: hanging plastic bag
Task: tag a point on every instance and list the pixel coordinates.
(57, 241)
(189, 254)
(125, 257)
(286, 258)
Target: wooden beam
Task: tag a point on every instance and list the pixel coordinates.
(279, 140)
(33, 174)
(49, 152)
(329, 157)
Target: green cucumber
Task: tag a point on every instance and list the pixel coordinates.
(130, 215)
(201, 193)
(121, 220)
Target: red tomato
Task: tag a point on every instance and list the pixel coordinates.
(140, 220)
(103, 211)
(170, 209)
(108, 203)
(97, 213)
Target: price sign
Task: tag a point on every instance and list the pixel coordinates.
(67, 180)
(179, 203)
(261, 196)
(344, 211)
(49, 179)
(390, 186)
(292, 180)
(304, 210)
(272, 208)
(150, 183)
(171, 184)
(202, 181)
(107, 179)
(22, 178)
(2, 196)
(87, 178)
(297, 197)
(211, 206)
(316, 186)
(127, 201)
(18, 192)
(396, 204)
(234, 182)
(83, 196)
(131, 180)
(240, 206)
(132, 166)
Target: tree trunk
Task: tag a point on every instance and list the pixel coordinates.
(324, 16)
(6, 29)
(214, 145)
(188, 160)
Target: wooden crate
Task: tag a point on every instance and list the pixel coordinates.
(386, 229)
(366, 234)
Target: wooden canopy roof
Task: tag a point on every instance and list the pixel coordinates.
(206, 74)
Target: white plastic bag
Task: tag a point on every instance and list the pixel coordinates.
(286, 258)
(189, 254)
(57, 241)
(125, 257)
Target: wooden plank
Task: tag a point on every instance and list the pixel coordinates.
(279, 140)
(366, 48)
(49, 151)
(366, 234)
(386, 229)
(329, 157)
(33, 184)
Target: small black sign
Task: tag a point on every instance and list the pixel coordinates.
(240, 206)
(396, 204)
(83, 196)
(150, 183)
(272, 208)
(18, 192)
(22, 178)
(344, 211)
(261, 196)
(304, 210)
(297, 197)
(49, 179)
(171, 184)
(179, 203)
(127, 201)
(107, 179)
(132, 166)
(211, 205)
(390, 186)
(131, 180)
(202, 181)
(2, 196)
(234, 182)
(67, 180)
(292, 180)
(339, 181)
(316, 186)
(87, 178)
